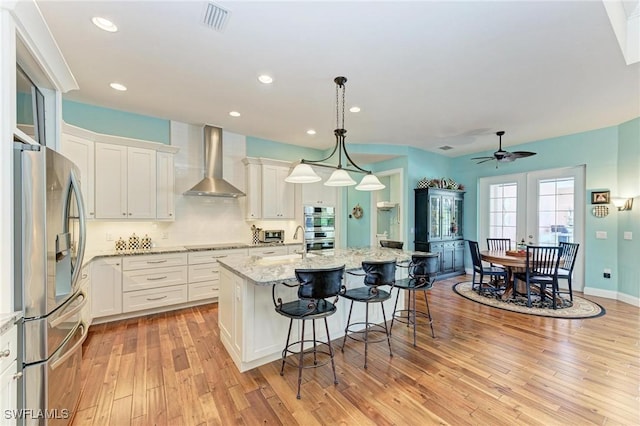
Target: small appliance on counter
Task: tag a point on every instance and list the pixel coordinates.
(271, 236)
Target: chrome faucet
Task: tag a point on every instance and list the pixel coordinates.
(304, 242)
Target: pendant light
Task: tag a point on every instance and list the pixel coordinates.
(303, 173)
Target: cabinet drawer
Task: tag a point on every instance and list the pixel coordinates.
(154, 298)
(213, 255)
(8, 347)
(268, 251)
(148, 261)
(203, 272)
(158, 277)
(204, 290)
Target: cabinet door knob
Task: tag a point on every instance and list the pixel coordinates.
(5, 353)
(129, 214)
(17, 376)
(124, 214)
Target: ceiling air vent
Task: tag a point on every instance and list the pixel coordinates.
(216, 17)
(445, 147)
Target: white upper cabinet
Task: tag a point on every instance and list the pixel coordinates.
(254, 191)
(81, 152)
(141, 183)
(268, 195)
(277, 195)
(125, 182)
(111, 181)
(165, 207)
(317, 193)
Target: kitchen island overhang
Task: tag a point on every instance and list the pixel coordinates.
(250, 329)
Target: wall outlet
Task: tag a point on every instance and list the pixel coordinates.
(607, 275)
(109, 236)
(601, 235)
(165, 235)
(628, 235)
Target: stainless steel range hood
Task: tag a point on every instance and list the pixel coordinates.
(213, 185)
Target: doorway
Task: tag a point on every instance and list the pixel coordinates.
(544, 207)
(387, 207)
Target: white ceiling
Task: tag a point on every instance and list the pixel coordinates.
(425, 74)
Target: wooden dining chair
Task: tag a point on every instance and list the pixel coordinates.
(568, 261)
(541, 270)
(498, 244)
(493, 271)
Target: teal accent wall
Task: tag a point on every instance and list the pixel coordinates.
(629, 221)
(114, 122)
(600, 151)
(265, 148)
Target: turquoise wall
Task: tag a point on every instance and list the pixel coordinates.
(629, 221)
(114, 122)
(615, 148)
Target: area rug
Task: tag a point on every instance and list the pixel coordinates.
(579, 308)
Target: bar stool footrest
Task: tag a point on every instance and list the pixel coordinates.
(359, 335)
(321, 351)
(407, 316)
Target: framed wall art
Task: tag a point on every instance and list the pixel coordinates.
(600, 197)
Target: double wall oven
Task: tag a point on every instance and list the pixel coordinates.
(320, 227)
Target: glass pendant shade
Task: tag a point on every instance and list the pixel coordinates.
(302, 173)
(340, 178)
(369, 183)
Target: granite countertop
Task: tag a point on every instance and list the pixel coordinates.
(7, 320)
(180, 249)
(270, 270)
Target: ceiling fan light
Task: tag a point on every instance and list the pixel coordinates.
(340, 178)
(302, 173)
(370, 183)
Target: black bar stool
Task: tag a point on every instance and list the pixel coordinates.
(422, 275)
(314, 286)
(376, 274)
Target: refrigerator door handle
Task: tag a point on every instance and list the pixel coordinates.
(84, 331)
(66, 315)
(75, 186)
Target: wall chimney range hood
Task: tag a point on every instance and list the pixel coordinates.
(213, 185)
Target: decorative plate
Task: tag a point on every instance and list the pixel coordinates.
(357, 212)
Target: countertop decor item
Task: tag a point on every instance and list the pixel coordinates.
(303, 173)
(145, 243)
(134, 242)
(121, 244)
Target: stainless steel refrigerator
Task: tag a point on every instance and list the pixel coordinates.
(49, 237)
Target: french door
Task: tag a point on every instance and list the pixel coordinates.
(544, 207)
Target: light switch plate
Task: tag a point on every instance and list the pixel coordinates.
(628, 235)
(601, 235)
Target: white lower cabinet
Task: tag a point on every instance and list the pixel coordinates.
(204, 272)
(268, 251)
(9, 376)
(106, 287)
(148, 283)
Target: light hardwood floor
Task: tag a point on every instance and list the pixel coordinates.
(485, 367)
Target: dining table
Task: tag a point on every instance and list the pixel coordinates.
(510, 262)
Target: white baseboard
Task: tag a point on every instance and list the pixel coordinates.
(610, 294)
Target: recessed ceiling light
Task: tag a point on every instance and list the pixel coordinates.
(234, 114)
(265, 79)
(311, 132)
(118, 86)
(354, 109)
(104, 24)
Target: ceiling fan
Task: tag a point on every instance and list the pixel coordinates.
(502, 156)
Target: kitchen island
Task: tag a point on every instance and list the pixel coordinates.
(250, 329)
